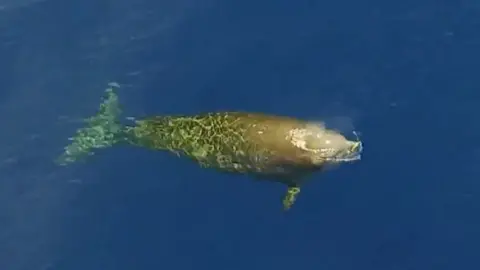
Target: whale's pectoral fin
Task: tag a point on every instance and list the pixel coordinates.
(290, 197)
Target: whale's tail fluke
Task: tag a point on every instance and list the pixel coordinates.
(101, 131)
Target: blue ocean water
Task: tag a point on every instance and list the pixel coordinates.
(404, 74)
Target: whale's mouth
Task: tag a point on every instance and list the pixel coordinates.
(352, 154)
(327, 146)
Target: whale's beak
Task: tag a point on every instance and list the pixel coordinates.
(355, 150)
(356, 147)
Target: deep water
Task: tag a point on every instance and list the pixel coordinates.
(404, 74)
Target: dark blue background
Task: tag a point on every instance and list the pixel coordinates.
(404, 72)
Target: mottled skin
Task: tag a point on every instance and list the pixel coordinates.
(259, 145)
(254, 144)
(230, 141)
